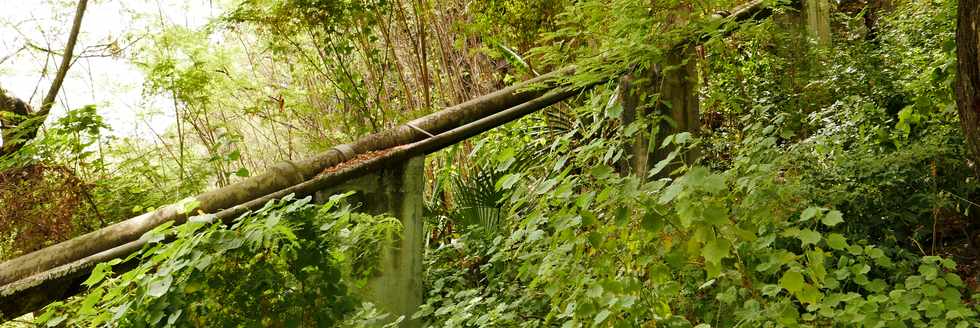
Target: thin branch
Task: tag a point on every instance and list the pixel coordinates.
(4, 59)
(66, 60)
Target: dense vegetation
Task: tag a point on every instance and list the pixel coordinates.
(825, 183)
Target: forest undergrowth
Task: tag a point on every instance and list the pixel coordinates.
(822, 186)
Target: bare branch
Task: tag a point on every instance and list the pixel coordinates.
(66, 60)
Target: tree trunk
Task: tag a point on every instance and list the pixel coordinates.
(13, 112)
(872, 15)
(23, 127)
(968, 77)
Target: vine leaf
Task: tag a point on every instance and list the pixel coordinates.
(809, 236)
(100, 271)
(792, 281)
(716, 250)
(833, 218)
(836, 241)
(809, 213)
(159, 287)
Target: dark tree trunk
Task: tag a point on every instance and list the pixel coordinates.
(13, 112)
(20, 128)
(872, 15)
(968, 77)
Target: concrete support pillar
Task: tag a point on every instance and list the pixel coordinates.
(817, 16)
(637, 150)
(676, 81)
(396, 191)
(678, 94)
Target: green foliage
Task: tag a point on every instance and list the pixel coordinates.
(808, 209)
(478, 195)
(70, 139)
(825, 187)
(44, 197)
(731, 248)
(287, 264)
(334, 41)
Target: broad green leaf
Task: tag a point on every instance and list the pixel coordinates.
(188, 205)
(792, 281)
(715, 215)
(159, 286)
(48, 313)
(928, 271)
(729, 296)
(663, 163)
(614, 111)
(652, 221)
(770, 290)
(272, 220)
(98, 273)
(836, 241)
(56, 321)
(601, 317)
(954, 279)
(714, 183)
(809, 213)
(545, 186)
(874, 253)
(809, 237)
(949, 264)
(504, 157)
(716, 250)
(601, 171)
(832, 218)
(809, 294)
(88, 305)
(507, 181)
(622, 215)
(671, 192)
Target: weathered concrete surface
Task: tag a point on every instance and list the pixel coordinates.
(396, 190)
(280, 176)
(817, 15)
(630, 94)
(676, 82)
(25, 276)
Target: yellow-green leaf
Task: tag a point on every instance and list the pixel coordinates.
(792, 281)
(716, 250)
(832, 218)
(809, 213)
(809, 237)
(836, 241)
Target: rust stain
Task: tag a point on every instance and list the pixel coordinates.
(357, 160)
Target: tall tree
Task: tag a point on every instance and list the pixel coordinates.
(968, 77)
(18, 122)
